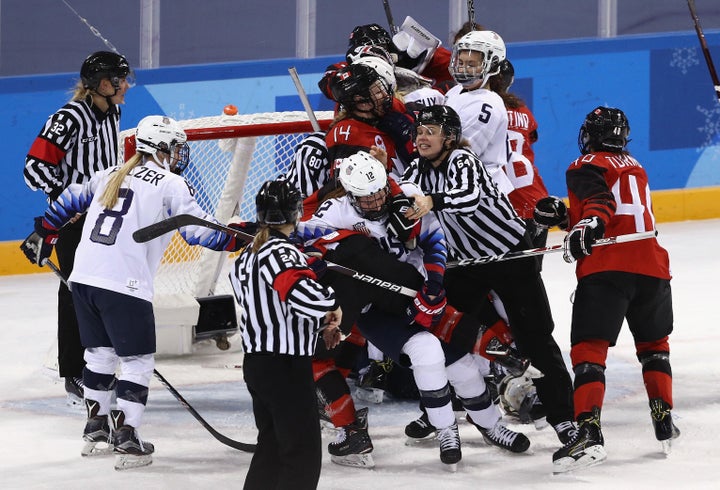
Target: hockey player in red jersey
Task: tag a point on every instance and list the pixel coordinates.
(521, 170)
(609, 194)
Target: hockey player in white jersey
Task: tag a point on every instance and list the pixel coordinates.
(112, 282)
(365, 208)
(475, 58)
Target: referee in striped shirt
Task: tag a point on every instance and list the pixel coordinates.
(479, 221)
(283, 310)
(77, 141)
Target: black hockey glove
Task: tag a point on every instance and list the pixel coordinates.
(39, 244)
(406, 230)
(579, 242)
(551, 211)
(400, 127)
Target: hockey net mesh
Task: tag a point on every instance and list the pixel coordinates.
(231, 156)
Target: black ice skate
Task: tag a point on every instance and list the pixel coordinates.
(665, 429)
(585, 449)
(502, 437)
(130, 450)
(565, 431)
(353, 445)
(75, 391)
(373, 381)
(97, 432)
(419, 429)
(450, 451)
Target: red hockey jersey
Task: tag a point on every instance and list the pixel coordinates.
(614, 187)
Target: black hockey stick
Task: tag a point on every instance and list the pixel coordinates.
(57, 272)
(388, 13)
(174, 222)
(704, 47)
(553, 248)
(242, 446)
(471, 13)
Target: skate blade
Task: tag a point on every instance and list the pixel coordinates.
(451, 468)
(592, 456)
(74, 401)
(92, 449)
(128, 461)
(428, 440)
(666, 446)
(370, 395)
(354, 460)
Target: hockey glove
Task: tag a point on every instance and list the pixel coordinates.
(398, 225)
(551, 211)
(400, 127)
(39, 244)
(579, 242)
(426, 309)
(313, 256)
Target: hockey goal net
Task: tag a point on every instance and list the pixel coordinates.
(231, 156)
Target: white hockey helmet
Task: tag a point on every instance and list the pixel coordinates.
(161, 134)
(382, 67)
(492, 47)
(365, 180)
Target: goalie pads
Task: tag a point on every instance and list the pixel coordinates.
(415, 45)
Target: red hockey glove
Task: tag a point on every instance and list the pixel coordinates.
(426, 310)
(39, 244)
(579, 242)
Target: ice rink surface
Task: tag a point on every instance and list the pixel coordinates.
(42, 436)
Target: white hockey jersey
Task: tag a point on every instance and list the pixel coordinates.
(339, 214)
(107, 256)
(484, 122)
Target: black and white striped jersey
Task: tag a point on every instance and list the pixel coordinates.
(310, 167)
(477, 218)
(76, 142)
(282, 304)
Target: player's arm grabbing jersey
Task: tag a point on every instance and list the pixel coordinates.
(614, 187)
(75, 143)
(521, 170)
(477, 219)
(484, 123)
(282, 304)
(107, 256)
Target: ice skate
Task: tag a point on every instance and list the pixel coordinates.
(565, 431)
(75, 391)
(131, 451)
(665, 429)
(419, 430)
(585, 449)
(502, 437)
(372, 383)
(97, 432)
(450, 451)
(353, 445)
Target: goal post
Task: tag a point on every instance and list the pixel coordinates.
(230, 158)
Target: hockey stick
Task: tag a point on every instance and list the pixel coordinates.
(388, 13)
(242, 446)
(174, 222)
(304, 98)
(545, 250)
(704, 47)
(57, 272)
(471, 13)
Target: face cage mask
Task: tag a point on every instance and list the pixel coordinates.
(373, 199)
(183, 159)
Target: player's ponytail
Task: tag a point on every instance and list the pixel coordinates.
(110, 195)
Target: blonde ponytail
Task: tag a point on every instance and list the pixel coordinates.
(110, 195)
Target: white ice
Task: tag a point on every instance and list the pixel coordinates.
(40, 445)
